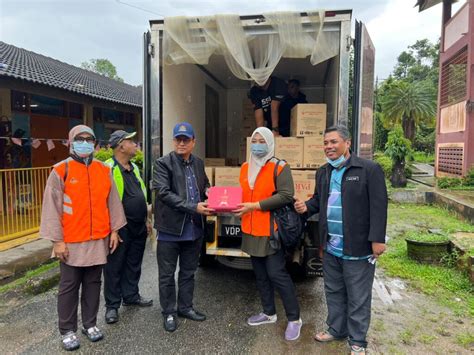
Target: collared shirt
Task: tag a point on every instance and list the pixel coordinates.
(191, 231)
(335, 245)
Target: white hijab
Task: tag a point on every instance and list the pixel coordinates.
(256, 163)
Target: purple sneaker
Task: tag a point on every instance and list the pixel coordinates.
(293, 330)
(261, 318)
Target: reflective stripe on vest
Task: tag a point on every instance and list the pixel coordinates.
(85, 200)
(257, 223)
(118, 178)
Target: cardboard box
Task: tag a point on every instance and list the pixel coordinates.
(314, 155)
(224, 198)
(304, 182)
(308, 119)
(226, 176)
(290, 149)
(214, 162)
(210, 174)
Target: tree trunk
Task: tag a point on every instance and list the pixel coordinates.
(398, 178)
(409, 128)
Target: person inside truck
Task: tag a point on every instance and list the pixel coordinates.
(266, 101)
(260, 196)
(294, 97)
(180, 185)
(351, 199)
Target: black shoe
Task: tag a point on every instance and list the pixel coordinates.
(193, 315)
(140, 302)
(111, 316)
(170, 323)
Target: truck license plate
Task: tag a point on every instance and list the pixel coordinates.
(229, 230)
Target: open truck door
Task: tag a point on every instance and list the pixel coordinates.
(363, 98)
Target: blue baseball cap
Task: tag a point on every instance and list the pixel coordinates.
(183, 129)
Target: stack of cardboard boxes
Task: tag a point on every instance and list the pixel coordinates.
(303, 150)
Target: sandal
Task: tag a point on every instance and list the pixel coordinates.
(357, 350)
(93, 334)
(324, 336)
(70, 341)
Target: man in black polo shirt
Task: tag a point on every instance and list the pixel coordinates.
(266, 101)
(123, 269)
(294, 97)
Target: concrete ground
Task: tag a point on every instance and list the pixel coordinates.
(404, 321)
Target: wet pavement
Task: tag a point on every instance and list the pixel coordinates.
(403, 321)
(226, 295)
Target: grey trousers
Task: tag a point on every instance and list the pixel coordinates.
(348, 288)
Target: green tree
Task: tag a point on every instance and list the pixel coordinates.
(103, 67)
(408, 104)
(419, 63)
(398, 148)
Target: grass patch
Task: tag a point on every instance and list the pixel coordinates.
(427, 237)
(406, 336)
(426, 338)
(449, 286)
(465, 340)
(423, 157)
(22, 281)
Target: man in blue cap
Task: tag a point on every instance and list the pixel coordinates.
(180, 185)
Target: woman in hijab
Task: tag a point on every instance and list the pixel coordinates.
(263, 193)
(81, 215)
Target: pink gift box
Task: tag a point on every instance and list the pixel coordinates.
(224, 198)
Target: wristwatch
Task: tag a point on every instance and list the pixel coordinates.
(275, 129)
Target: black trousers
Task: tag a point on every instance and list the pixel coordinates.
(70, 279)
(271, 274)
(348, 288)
(124, 267)
(167, 254)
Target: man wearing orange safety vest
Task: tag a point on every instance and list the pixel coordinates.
(81, 215)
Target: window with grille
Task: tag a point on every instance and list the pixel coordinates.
(450, 160)
(454, 79)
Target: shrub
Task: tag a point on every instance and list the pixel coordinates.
(106, 153)
(469, 179)
(398, 148)
(385, 162)
(448, 182)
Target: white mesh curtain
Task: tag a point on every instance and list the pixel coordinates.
(249, 57)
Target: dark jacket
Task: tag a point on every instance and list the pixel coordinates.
(364, 205)
(169, 183)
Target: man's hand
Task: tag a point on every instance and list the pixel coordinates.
(246, 207)
(378, 249)
(203, 209)
(61, 251)
(300, 206)
(114, 241)
(276, 134)
(149, 228)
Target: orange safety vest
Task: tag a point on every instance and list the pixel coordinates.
(257, 223)
(86, 191)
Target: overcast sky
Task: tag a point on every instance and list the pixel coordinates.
(74, 31)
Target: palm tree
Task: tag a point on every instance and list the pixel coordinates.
(408, 104)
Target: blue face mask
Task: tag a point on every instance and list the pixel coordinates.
(83, 149)
(337, 162)
(259, 149)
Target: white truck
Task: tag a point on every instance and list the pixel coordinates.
(199, 70)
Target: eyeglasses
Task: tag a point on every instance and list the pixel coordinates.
(184, 140)
(84, 139)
